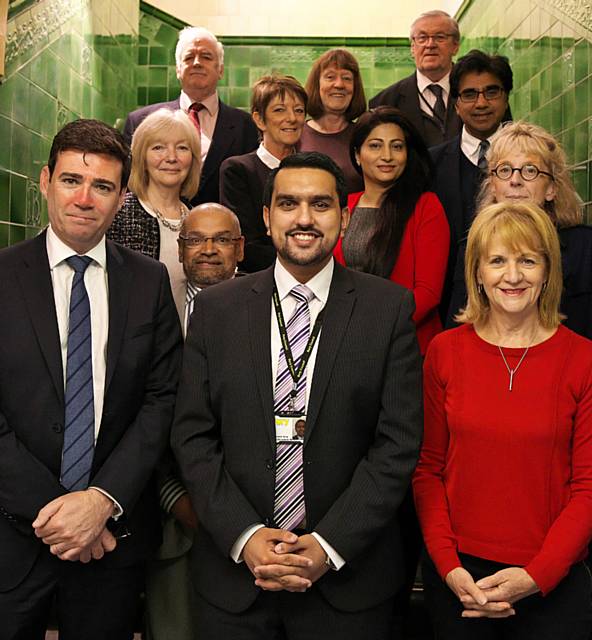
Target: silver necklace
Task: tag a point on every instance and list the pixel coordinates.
(511, 372)
(172, 225)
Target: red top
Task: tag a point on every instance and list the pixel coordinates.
(507, 475)
(421, 264)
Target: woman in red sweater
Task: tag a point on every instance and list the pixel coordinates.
(398, 228)
(503, 487)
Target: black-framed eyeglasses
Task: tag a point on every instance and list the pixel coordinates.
(219, 241)
(528, 172)
(438, 38)
(492, 92)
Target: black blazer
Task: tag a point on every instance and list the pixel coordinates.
(143, 356)
(235, 134)
(404, 95)
(242, 180)
(364, 428)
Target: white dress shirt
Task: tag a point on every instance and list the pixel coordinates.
(319, 285)
(268, 159)
(469, 145)
(207, 117)
(426, 96)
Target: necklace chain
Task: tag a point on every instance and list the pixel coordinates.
(511, 372)
(172, 225)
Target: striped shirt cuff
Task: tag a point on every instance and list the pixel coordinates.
(170, 492)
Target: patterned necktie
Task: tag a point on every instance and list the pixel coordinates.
(439, 107)
(289, 480)
(194, 109)
(482, 160)
(79, 430)
(190, 295)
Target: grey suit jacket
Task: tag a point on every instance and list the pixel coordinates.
(234, 135)
(364, 426)
(143, 353)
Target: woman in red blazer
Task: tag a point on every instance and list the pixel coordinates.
(398, 228)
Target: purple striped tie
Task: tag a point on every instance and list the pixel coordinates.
(289, 480)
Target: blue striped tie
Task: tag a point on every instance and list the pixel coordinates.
(289, 510)
(79, 430)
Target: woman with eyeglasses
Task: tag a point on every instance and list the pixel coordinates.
(527, 164)
(166, 166)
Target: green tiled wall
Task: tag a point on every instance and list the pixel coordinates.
(64, 59)
(382, 61)
(549, 46)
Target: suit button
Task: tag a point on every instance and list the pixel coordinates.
(267, 522)
(269, 464)
(58, 427)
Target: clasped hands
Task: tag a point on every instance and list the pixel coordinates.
(492, 596)
(281, 560)
(73, 526)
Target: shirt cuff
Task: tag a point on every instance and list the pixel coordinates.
(170, 492)
(117, 508)
(336, 560)
(236, 552)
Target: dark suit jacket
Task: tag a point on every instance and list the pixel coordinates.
(364, 426)
(404, 95)
(235, 134)
(143, 354)
(242, 180)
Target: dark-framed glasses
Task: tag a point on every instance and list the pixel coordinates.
(438, 38)
(528, 172)
(219, 241)
(492, 92)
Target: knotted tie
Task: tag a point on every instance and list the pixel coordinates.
(79, 430)
(482, 160)
(190, 295)
(194, 109)
(289, 480)
(439, 107)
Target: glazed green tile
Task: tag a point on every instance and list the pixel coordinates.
(4, 234)
(172, 79)
(160, 55)
(38, 70)
(17, 234)
(142, 96)
(580, 179)
(157, 77)
(255, 73)
(568, 107)
(223, 94)
(51, 84)
(239, 77)
(167, 37)
(18, 199)
(86, 100)
(582, 100)
(20, 100)
(582, 53)
(556, 77)
(4, 195)
(157, 94)
(63, 83)
(19, 159)
(535, 93)
(581, 152)
(260, 56)
(6, 96)
(237, 56)
(239, 97)
(555, 108)
(37, 155)
(568, 143)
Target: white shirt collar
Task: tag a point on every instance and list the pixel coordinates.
(268, 159)
(211, 103)
(469, 145)
(423, 82)
(58, 251)
(318, 284)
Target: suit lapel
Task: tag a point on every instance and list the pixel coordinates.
(35, 280)
(119, 279)
(259, 330)
(338, 311)
(222, 140)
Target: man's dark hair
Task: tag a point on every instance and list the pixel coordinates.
(308, 160)
(91, 136)
(480, 62)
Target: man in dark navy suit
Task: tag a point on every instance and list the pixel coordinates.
(88, 371)
(225, 131)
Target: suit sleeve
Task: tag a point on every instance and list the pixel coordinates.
(432, 243)
(130, 464)
(196, 440)
(382, 477)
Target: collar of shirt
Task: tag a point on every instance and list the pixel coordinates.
(211, 103)
(469, 145)
(423, 82)
(268, 159)
(58, 251)
(192, 291)
(318, 284)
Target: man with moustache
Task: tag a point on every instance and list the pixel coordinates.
(424, 96)
(210, 245)
(224, 131)
(301, 536)
(480, 84)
